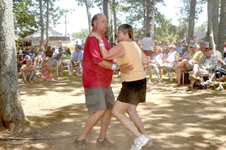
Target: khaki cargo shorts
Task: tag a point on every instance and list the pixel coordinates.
(99, 99)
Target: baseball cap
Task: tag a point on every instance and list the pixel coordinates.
(172, 45)
(194, 45)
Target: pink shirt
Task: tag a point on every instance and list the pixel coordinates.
(94, 75)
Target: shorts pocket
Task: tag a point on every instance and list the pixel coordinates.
(92, 98)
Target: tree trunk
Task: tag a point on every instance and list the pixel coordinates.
(222, 26)
(11, 110)
(150, 18)
(215, 15)
(145, 14)
(47, 23)
(88, 14)
(107, 7)
(115, 18)
(41, 47)
(191, 20)
(210, 26)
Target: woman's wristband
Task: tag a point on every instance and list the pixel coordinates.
(101, 44)
(114, 66)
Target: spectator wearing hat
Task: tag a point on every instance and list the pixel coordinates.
(204, 67)
(154, 63)
(147, 44)
(187, 65)
(170, 59)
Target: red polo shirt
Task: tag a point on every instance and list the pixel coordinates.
(93, 75)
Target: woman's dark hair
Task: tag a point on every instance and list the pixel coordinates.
(48, 48)
(53, 49)
(126, 28)
(68, 50)
(48, 52)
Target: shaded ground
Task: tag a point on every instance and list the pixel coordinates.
(56, 109)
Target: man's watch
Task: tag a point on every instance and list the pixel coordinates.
(101, 41)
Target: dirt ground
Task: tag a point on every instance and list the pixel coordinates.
(174, 119)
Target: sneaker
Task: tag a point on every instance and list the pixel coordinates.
(140, 142)
(189, 88)
(220, 88)
(105, 143)
(80, 144)
(177, 85)
(208, 82)
(150, 143)
(193, 77)
(170, 69)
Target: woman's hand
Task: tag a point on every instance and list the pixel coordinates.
(96, 35)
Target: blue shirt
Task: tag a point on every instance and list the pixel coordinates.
(77, 55)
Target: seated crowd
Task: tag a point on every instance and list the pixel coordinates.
(38, 67)
(198, 61)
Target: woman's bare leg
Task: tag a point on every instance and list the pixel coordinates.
(119, 112)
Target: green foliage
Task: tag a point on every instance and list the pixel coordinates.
(184, 12)
(81, 34)
(201, 28)
(27, 16)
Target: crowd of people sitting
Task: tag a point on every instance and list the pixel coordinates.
(38, 66)
(190, 61)
(198, 61)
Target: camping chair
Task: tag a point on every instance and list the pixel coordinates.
(67, 66)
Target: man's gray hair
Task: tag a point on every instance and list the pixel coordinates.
(95, 18)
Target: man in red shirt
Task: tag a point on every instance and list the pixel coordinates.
(97, 77)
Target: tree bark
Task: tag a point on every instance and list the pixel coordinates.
(145, 14)
(41, 47)
(150, 18)
(222, 26)
(210, 26)
(88, 14)
(115, 18)
(47, 23)
(107, 7)
(11, 110)
(215, 15)
(191, 20)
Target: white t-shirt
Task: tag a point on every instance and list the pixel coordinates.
(147, 44)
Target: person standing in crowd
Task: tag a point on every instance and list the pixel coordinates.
(147, 44)
(133, 89)
(96, 78)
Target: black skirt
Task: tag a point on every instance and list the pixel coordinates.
(133, 92)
